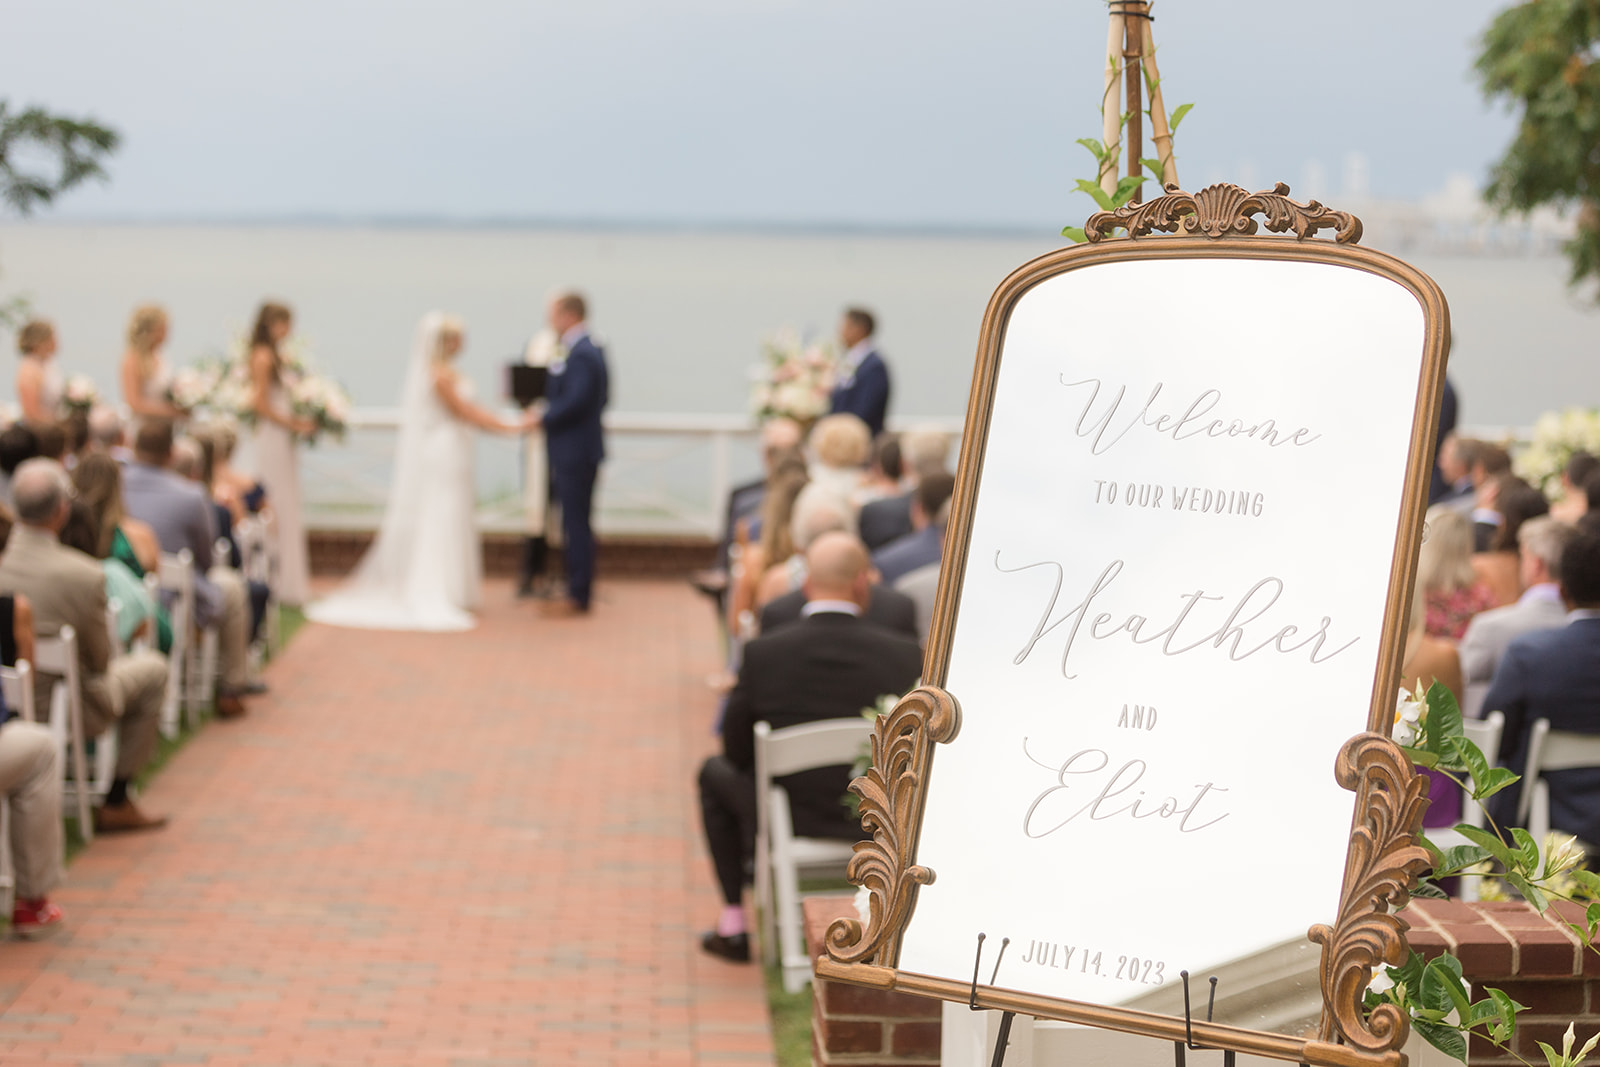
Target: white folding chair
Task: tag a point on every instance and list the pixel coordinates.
(17, 685)
(1550, 750)
(114, 625)
(250, 534)
(175, 575)
(1485, 733)
(783, 858)
(83, 785)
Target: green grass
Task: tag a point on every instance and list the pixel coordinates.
(791, 1021)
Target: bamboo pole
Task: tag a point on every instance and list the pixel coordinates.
(1111, 103)
(1132, 43)
(1160, 132)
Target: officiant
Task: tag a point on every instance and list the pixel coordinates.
(533, 579)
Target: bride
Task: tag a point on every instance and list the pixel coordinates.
(424, 570)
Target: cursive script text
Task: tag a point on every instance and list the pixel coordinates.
(1107, 428)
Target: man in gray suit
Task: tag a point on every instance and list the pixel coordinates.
(1541, 542)
(69, 588)
(180, 514)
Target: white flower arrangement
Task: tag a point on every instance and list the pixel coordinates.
(323, 401)
(79, 393)
(195, 386)
(1410, 717)
(1556, 436)
(796, 378)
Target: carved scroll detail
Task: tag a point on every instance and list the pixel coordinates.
(1224, 210)
(892, 794)
(1382, 865)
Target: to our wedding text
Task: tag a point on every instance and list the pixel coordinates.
(1181, 498)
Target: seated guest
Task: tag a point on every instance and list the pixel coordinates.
(52, 440)
(18, 444)
(195, 461)
(925, 545)
(923, 452)
(1444, 570)
(1490, 465)
(98, 480)
(830, 665)
(921, 587)
(840, 447)
(812, 518)
(884, 472)
(138, 613)
(239, 492)
(1591, 493)
(30, 782)
(107, 434)
(76, 427)
(1555, 675)
(776, 546)
(1574, 501)
(1424, 661)
(778, 436)
(66, 587)
(1499, 567)
(181, 516)
(885, 608)
(1456, 458)
(1541, 541)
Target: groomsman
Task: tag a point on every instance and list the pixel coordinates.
(863, 388)
(577, 392)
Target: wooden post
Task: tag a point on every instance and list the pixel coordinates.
(1135, 24)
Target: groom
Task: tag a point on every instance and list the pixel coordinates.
(577, 393)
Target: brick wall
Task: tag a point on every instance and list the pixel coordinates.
(860, 1027)
(336, 552)
(1535, 958)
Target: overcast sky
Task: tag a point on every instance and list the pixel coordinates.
(889, 112)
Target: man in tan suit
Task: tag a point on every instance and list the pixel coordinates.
(69, 588)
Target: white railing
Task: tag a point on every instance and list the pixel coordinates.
(664, 475)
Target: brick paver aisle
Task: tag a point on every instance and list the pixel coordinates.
(473, 849)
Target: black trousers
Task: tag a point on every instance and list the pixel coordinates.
(728, 812)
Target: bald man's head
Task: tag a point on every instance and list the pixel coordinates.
(838, 568)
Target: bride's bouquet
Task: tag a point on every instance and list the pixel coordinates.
(796, 377)
(196, 386)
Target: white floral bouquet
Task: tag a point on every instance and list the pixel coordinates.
(796, 379)
(323, 401)
(195, 386)
(79, 394)
(1556, 436)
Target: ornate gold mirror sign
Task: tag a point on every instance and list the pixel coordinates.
(1165, 651)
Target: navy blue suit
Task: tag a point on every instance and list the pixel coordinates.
(1555, 675)
(578, 390)
(866, 394)
(905, 554)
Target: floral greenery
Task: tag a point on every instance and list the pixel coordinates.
(1433, 993)
(1130, 184)
(796, 379)
(1540, 58)
(1556, 436)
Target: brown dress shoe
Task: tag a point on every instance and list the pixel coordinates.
(125, 818)
(229, 706)
(565, 608)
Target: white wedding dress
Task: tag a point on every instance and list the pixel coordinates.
(424, 571)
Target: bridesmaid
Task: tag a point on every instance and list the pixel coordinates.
(145, 377)
(38, 377)
(276, 428)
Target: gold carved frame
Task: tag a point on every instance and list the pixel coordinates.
(1383, 858)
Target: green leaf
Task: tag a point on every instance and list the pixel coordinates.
(1530, 892)
(1099, 194)
(1074, 234)
(1444, 973)
(1588, 881)
(1497, 848)
(1554, 1058)
(1527, 849)
(1429, 890)
(1095, 148)
(1459, 858)
(1447, 1039)
(1154, 167)
(1470, 757)
(1126, 188)
(1444, 719)
(1593, 915)
(1508, 1009)
(1421, 757)
(1177, 116)
(1497, 779)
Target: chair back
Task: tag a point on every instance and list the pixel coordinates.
(813, 744)
(58, 656)
(17, 684)
(1552, 750)
(114, 625)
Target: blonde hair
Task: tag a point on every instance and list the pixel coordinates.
(33, 336)
(1445, 562)
(145, 326)
(841, 441)
(450, 326)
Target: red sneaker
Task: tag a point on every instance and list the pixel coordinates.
(33, 919)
